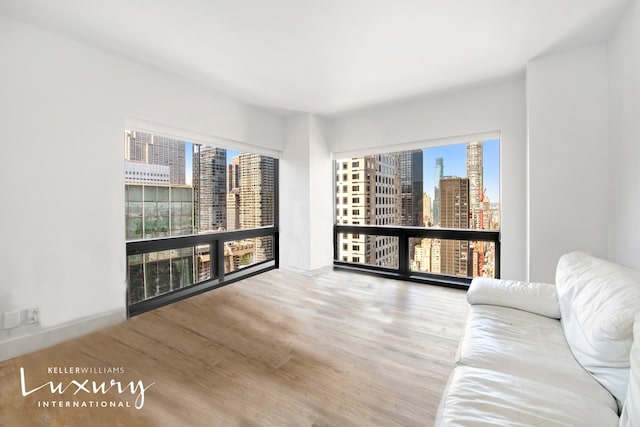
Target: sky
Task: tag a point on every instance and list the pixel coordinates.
(455, 164)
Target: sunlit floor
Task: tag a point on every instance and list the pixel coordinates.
(278, 349)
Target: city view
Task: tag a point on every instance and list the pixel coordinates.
(453, 187)
(175, 188)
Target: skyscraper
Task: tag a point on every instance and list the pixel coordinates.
(454, 205)
(475, 176)
(233, 209)
(142, 147)
(368, 192)
(387, 205)
(480, 215)
(411, 167)
(233, 194)
(256, 190)
(158, 203)
(422, 256)
(257, 198)
(427, 218)
(209, 180)
(233, 174)
(438, 175)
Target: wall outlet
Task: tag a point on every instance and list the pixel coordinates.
(11, 319)
(33, 316)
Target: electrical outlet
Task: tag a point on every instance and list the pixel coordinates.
(33, 316)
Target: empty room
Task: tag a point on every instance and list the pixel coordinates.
(320, 213)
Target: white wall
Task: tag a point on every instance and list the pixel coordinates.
(567, 157)
(306, 197)
(63, 108)
(624, 135)
(295, 199)
(493, 106)
(321, 193)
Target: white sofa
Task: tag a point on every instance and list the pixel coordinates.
(538, 354)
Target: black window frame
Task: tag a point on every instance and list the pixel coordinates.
(216, 240)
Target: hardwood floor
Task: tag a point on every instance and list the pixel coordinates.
(278, 349)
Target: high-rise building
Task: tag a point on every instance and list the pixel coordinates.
(158, 203)
(436, 256)
(355, 185)
(487, 215)
(233, 194)
(387, 199)
(233, 174)
(479, 210)
(411, 166)
(422, 256)
(257, 186)
(233, 209)
(142, 147)
(368, 192)
(427, 219)
(210, 182)
(136, 146)
(257, 198)
(454, 213)
(476, 189)
(438, 175)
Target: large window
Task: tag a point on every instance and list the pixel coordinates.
(412, 207)
(189, 209)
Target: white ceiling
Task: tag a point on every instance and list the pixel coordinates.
(328, 56)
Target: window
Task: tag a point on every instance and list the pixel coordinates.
(182, 188)
(447, 187)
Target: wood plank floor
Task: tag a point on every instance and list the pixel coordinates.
(278, 349)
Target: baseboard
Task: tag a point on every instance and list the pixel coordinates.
(308, 273)
(44, 338)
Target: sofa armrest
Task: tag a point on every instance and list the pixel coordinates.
(538, 298)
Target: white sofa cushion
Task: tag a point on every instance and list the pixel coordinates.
(598, 303)
(526, 345)
(483, 398)
(631, 411)
(539, 298)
